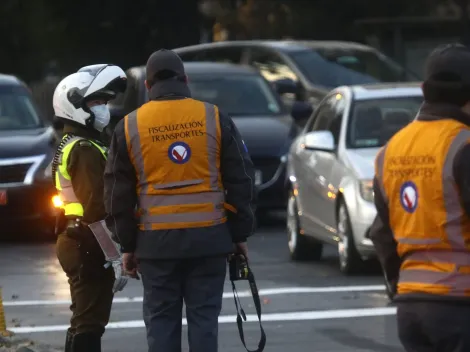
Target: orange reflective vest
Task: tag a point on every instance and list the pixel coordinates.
(415, 170)
(174, 146)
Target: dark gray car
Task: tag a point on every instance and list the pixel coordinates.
(304, 70)
(265, 124)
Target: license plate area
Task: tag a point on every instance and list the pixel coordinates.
(3, 197)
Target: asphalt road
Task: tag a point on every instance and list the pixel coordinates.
(306, 306)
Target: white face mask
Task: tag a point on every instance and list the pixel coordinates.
(102, 116)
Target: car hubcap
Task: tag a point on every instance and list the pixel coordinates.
(291, 224)
(343, 237)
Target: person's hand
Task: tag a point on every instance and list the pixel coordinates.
(129, 263)
(242, 248)
(121, 278)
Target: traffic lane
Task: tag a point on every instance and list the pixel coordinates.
(32, 272)
(59, 314)
(370, 334)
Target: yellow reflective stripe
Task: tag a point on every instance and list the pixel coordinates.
(68, 149)
(217, 216)
(64, 185)
(73, 209)
(65, 156)
(148, 201)
(57, 181)
(211, 131)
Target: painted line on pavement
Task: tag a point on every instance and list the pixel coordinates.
(224, 319)
(262, 292)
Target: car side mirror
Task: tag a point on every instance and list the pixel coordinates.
(320, 141)
(285, 85)
(301, 110)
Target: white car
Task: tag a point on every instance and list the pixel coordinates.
(330, 168)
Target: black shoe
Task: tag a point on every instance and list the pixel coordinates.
(86, 342)
(68, 341)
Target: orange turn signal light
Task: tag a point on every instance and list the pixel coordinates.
(57, 201)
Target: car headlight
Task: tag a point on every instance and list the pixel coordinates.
(366, 189)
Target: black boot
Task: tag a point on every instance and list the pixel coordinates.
(68, 341)
(86, 342)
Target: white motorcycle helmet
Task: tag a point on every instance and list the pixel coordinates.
(90, 83)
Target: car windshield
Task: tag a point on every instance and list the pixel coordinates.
(338, 67)
(17, 111)
(243, 95)
(373, 122)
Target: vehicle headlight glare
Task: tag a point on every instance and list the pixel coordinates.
(57, 201)
(366, 190)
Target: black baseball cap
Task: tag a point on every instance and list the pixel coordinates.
(164, 60)
(448, 65)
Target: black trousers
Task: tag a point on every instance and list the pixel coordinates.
(90, 285)
(434, 326)
(167, 283)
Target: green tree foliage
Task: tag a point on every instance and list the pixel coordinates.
(77, 33)
(125, 32)
(313, 19)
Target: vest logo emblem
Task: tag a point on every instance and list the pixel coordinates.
(409, 196)
(179, 152)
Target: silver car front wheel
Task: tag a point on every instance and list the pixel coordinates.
(301, 247)
(350, 261)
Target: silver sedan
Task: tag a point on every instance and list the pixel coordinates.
(330, 168)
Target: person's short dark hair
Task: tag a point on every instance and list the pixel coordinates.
(164, 65)
(447, 75)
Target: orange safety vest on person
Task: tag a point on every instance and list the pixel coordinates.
(432, 230)
(175, 146)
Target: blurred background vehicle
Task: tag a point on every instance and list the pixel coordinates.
(304, 70)
(27, 145)
(265, 124)
(331, 168)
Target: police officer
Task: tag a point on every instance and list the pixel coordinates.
(422, 195)
(80, 102)
(185, 166)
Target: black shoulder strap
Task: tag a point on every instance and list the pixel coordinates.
(241, 313)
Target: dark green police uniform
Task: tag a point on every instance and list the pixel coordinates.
(78, 175)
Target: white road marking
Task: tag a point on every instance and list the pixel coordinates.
(262, 292)
(288, 316)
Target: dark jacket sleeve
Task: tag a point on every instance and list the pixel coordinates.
(238, 177)
(120, 197)
(86, 167)
(462, 176)
(382, 236)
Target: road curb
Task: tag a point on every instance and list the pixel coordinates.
(17, 344)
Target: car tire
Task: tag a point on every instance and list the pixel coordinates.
(350, 262)
(300, 246)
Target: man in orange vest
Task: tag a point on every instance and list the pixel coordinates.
(184, 165)
(422, 195)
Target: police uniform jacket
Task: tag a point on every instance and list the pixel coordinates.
(236, 180)
(86, 167)
(426, 252)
